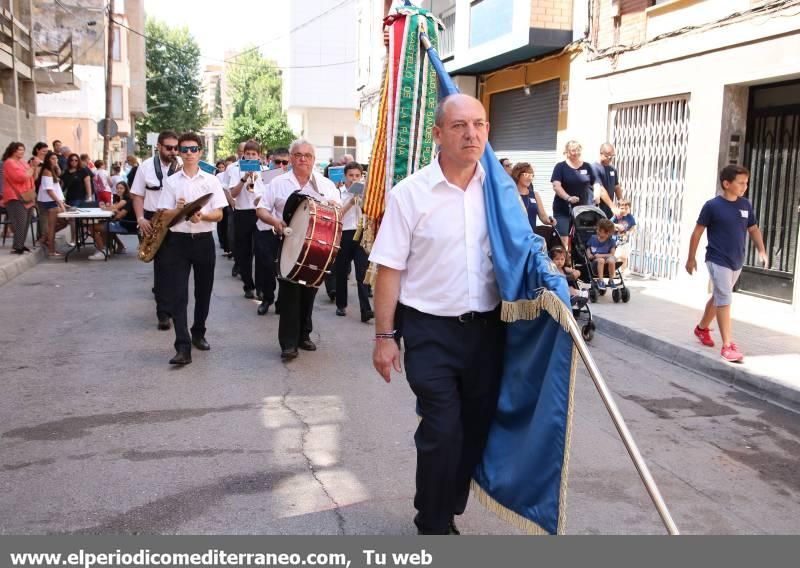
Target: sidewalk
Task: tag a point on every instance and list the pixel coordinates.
(661, 316)
(12, 265)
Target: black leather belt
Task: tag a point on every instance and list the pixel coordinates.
(181, 234)
(463, 318)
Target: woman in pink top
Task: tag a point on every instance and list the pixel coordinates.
(17, 179)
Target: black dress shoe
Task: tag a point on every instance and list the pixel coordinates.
(249, 294)
(341, 312)
(259, 295)
(262, 308)
(201, 343)
(307, 345)
(332, 296)
(164, 324)
(452, 528)
(288, 354)
(366, 316)
(181, 358)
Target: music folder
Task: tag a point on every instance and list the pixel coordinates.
(249, 166)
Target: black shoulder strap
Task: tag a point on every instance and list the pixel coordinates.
(159, 173)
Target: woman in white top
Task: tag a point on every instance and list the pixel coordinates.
(51, 200)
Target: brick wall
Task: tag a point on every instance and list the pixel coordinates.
(627, 29)
(551, 14)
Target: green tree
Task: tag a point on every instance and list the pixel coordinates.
(254, 84)
(173, 82)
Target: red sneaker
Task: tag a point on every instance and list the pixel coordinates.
(731, 353)
(704, 335)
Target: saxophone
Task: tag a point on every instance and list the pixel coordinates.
(160, 224)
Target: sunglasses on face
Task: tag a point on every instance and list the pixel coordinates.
(187, 149)
(281, 162)
(170, 147)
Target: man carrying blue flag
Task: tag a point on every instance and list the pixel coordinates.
(436, 288)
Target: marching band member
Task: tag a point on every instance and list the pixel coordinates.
(232, 218)
(245, 193)
(297, 301)
(350, 250)
(267, 245)
(189, 246)
(146, 191)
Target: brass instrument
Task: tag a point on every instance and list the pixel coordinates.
(250, 182)
(162, 221)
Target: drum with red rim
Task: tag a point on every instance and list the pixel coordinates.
(309, 250)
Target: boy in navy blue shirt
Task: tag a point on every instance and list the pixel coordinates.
(600, 249)
(729, 219)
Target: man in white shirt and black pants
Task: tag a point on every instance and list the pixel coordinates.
(189, 246)
(436, 286)
(242, 187)
(267, 245)
(146, 191)
(350, 249)
(296, 301)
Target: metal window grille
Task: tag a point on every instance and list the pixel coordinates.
(447, 38)
(651, 140)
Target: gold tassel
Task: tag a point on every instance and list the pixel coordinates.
(505, 514)
(532, 309)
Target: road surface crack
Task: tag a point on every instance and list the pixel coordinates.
(303, 444)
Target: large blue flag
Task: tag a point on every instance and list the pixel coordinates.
(523, 474)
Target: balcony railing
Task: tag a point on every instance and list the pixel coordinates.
(15, 44)
(55, 69)
(448, 36)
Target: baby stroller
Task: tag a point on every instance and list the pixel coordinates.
(584, 225)
(580, 308)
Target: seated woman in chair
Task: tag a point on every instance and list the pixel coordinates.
(122, 223)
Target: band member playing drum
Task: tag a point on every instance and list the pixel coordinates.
(146, 191)
(245, 189)
(188, 246)
(267, 245)
(297, 300)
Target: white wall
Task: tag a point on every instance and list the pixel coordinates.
(325, 41)
(320, 125)
(87, 102)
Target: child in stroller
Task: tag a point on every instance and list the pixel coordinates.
(592, 250)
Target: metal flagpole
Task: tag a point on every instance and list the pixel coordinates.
(597, 378)
(622, 428)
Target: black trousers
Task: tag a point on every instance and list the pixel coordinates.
(244, 228)
(222, 229)
(158, 276)
(297, 306)
(454, 370)
(267, 246)
(351, 251)
(182, 253)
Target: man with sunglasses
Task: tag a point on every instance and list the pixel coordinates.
(146, 191)
(297, 301)
(189, 246)
(245, 190)
(267, 245)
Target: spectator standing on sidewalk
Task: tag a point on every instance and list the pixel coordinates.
(608, 176)
(729, 218)
(18, 194)
(574, 183)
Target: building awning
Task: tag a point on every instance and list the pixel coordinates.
(540, 42)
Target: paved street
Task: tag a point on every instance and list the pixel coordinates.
(99, 435)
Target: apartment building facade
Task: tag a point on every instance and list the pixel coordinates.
(682, 88)
(72, 115)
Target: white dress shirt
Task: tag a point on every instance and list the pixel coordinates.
(350, 219)
(436, 234)
(246, 199)
(280, 188)
(261, 225)
(180, 185)
(146, 177)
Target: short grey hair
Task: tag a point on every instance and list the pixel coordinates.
(301, 142)
(438, 114)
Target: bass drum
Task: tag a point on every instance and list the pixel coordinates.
(309, 250)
